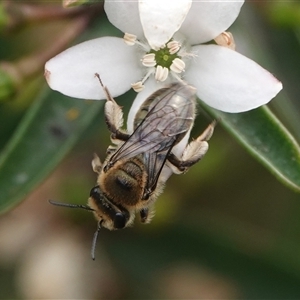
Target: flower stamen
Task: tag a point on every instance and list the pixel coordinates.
(148, 60)
(173, 47)
(160, 62)
(225, 39)
(139, 86)
(161, 73)
(178, 65)
(129, 39)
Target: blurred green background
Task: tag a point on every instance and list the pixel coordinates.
(227, 229)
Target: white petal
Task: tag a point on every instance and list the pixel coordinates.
(72, 72)
(229, 81)
(207, 19)
(124, 15)
(161, 19)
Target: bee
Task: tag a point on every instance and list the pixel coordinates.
(138, 164)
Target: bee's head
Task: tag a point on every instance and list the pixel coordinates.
(110, 215)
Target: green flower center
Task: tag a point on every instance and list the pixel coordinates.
(163, 57)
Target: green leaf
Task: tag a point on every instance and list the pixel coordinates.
(50, 128)
(263, 135)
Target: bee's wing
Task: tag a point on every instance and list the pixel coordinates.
(154, 163)
(169, 115)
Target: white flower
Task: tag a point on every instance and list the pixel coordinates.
(164, 40)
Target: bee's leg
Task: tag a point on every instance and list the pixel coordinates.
(96, 164)
(193, 152)
(113, 115)
(110, 150)
(208, 132)
(114, 120)
(146, 214)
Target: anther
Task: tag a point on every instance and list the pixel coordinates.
(148, 60)
(129, 39)
(225, 39)
(137, 86)
(173, 47)
(177, 65)
(161, 73)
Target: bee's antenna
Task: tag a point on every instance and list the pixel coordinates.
(86, 207)
(95, 240)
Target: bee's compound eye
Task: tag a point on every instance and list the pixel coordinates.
(95, 192)
(119, 221)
